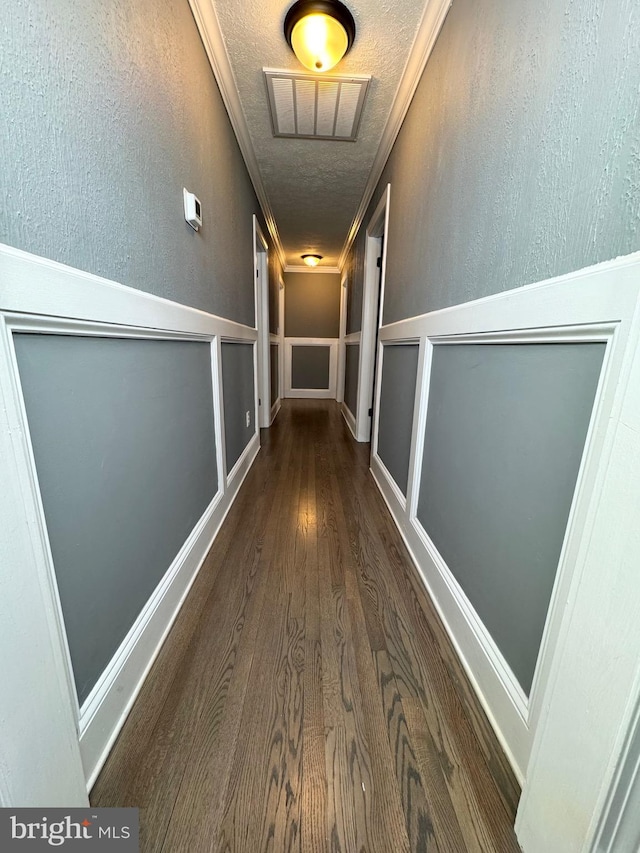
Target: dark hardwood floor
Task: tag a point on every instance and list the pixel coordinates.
(307, 697)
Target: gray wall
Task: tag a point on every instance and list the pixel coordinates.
(397, 396)
(352, 357)
(274, 369)
(518, 158)
(239, 398)
(310, 367)
(505, 433)
(124, 444)
(312, 305)
(107, 111)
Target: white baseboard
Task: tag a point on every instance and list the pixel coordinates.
(349, 418)
(244, 461)
(385, 481)
(491, 678)
(106, 708)
(275, 409)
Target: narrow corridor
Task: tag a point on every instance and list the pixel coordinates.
(307, 697)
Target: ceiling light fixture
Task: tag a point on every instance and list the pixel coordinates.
(311, 260)
(319, 32)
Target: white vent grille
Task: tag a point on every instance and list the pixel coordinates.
(305, 106)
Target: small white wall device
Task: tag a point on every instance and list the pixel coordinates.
(192, 210)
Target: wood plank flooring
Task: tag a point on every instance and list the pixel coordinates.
(307, 698)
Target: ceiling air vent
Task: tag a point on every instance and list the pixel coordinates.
(306, 106)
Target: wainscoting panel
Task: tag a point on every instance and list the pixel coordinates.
(514, 393)
(116, 423)
(239, 399)
(398, 365)
(45, 305)
(311, 367)
(275, 371)
(351, 367)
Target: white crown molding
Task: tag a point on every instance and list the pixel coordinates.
(305, 268)
(208, 25)
(429, 28)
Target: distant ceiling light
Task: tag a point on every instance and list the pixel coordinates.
(312, 260)
(319, 32)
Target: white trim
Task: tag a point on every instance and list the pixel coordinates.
(342, 349)
(245, 460)
(383, 476)
(218, 409)
(305, 269)
(429, 28)
(377, 228)
(106, 708)
(618, 828)
(208, 25)
(500, 694)
(425, 353)
(276, 341)
(600, 303)
(312, 393)
(46, 766)
(593, 682)
(461, 621)
(554, 300)
(256, 389)
(281, 298)
(349, 419)
(353, 338)
(40, 764)
(377, 391)
(385, 481)
(34, 285)
(12, 324)
(261, 283)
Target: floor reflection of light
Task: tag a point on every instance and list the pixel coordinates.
(307, 515)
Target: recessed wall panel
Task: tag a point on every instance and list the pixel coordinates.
(274, 368)
(352, 356)
(124, 445)
(239, 398)
(310, 367)
(506, 429)
(397, 396)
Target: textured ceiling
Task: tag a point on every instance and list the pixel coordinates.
(315, 186)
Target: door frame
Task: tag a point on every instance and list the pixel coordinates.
(261, 279)
(342, 347)
(377, 228)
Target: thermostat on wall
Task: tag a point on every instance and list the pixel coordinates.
(192, 210)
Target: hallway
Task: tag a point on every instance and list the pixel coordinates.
(306, 697)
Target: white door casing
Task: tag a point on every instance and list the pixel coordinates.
(261, 273)
(372, 308)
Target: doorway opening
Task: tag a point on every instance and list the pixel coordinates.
(372, 308)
